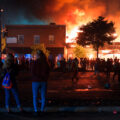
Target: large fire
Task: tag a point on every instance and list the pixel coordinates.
(72, 35)
(80, 19)
(73, 29)
(72, 13)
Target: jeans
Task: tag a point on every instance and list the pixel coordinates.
(36, 88)
(7, 97)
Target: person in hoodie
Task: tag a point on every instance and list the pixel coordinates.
(40, 72)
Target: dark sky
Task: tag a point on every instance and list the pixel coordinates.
(59, 11)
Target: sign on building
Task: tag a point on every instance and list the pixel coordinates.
(11, 40)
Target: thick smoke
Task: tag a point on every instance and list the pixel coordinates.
(57, 10)
(69, 12)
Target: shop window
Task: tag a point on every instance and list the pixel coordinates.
(51, 39)
(20, 39)
(36, 39)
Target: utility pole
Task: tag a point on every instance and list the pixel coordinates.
(1, 10)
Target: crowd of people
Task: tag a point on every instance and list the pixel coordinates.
(40, 69)
(97, 65)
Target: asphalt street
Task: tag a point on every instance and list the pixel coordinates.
(62, 93)
(60, 116)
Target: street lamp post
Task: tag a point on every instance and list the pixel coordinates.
(0, 33)
(1, 10)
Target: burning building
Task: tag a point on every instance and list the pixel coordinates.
(72, 13)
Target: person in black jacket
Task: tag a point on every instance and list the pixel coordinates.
(11, 67)
(40, 72)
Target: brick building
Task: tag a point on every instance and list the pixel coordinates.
(20, 38)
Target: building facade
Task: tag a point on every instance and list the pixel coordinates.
(20, 38)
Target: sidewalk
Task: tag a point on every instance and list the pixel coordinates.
(90, 109)
(62, 95)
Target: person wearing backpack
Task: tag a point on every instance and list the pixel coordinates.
(10, 71)
(40, 71)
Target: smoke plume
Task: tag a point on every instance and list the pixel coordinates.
(69, 12)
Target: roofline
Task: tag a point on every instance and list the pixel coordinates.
(32, 25)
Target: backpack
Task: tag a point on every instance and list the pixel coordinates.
(6, 81)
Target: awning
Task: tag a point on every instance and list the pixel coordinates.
(19, 50)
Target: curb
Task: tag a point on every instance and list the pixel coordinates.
(83, 109)
(71, 109)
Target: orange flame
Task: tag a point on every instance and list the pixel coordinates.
(81, 19)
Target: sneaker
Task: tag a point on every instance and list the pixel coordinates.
(20, 109)
(8, 110)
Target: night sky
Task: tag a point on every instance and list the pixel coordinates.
(33, 11)
(69, 12)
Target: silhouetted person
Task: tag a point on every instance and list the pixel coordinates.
(75, 69)
(63, 65)
(10, 66)
(115, 68)
(1, 65)
(40, 72)
(108, 68)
